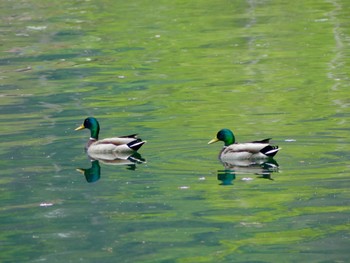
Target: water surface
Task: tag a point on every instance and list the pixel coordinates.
(175, 73)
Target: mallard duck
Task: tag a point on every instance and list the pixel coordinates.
(122, 144)
(240, 151)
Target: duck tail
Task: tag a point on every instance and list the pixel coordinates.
(269, 150)
(135, 145)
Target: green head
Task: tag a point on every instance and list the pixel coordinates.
(224, 135)
(92, 124)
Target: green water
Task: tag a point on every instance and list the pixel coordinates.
(175, 73)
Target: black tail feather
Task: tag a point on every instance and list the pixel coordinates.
(135, 145)
(270, 150)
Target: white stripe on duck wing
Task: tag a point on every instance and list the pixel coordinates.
(251, 150)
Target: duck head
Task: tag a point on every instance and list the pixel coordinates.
(224, 135)
(92, 124)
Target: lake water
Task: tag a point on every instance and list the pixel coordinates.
(175, 73)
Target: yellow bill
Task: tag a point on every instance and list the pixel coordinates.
(213, 140)
(80, 127)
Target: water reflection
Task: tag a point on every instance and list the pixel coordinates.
(226, 176)
(263, 169)
(93, 173)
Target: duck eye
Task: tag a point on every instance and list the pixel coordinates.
(220, 135)
(86, 122)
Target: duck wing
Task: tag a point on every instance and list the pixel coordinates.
(116, 140)
(251, 147)
(116, 145)
(263, 141)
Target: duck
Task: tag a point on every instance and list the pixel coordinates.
(255, 150)
(122, 144)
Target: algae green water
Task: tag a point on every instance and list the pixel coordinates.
(175, 73)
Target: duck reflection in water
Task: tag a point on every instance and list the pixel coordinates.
(93, 173)
(263, 169)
